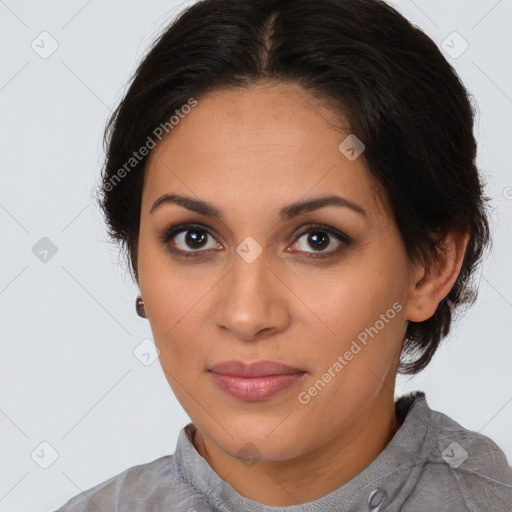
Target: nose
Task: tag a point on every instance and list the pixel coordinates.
(252, 300)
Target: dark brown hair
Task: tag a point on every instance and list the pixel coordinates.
(400, 95)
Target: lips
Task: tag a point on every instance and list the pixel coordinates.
(259, 369)
(256, 381)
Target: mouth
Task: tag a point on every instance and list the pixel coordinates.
(256, 381)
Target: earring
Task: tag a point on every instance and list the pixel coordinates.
(139, 306)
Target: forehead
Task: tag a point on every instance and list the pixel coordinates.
(270, 143)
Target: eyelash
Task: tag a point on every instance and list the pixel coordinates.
(169, 234)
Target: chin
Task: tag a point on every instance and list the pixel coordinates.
(254, 441)
(252, 452)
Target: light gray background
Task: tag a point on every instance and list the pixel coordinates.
(68, 373)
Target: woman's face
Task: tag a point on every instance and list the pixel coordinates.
(255, 283)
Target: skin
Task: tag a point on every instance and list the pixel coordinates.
(250, 152)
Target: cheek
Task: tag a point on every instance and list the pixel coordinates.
(345, 301)
(164, 287)
(171, 302)
(361, 305)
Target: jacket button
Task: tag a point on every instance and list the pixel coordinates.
(376, 499)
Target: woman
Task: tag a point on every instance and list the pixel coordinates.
(294, 185)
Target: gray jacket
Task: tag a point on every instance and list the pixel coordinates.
(432, 464)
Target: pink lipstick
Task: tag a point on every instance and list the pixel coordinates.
(256, 381)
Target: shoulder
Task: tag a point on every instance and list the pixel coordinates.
(133, 483)
(465, 468)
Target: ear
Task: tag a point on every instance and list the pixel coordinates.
(433, 281)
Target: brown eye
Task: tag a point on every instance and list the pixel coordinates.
(192, 239)
(189, 239)
(195, 239)
(320, 239)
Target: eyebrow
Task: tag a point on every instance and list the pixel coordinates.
(285, 213)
